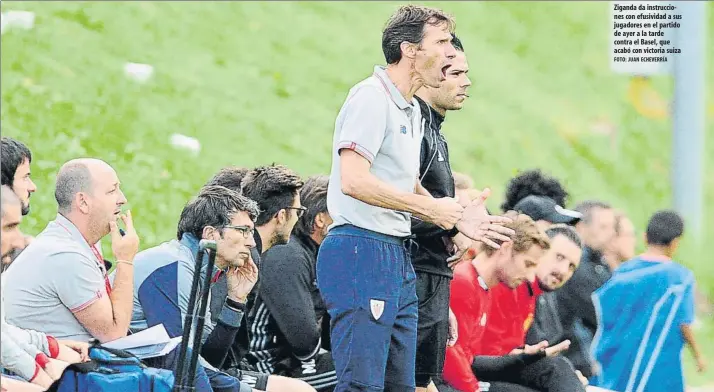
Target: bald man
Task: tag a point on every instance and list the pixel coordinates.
(59, 284)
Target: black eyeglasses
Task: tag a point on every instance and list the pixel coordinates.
(246, 230)
(299, 210)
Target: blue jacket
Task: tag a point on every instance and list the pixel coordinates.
(163, 276)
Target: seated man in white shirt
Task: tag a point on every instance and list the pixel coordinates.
(71, 297)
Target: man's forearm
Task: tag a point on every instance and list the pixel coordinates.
(122, 297)
(688, 336)
(420, 190)
(369, 189)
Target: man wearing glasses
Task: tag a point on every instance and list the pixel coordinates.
(163, 278)
(276, 189)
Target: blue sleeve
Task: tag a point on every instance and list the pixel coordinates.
(159, 298)
(164, 297)
(687, 307)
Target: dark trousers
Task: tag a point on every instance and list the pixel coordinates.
(548, 374)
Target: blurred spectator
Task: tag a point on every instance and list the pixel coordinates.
(533, 182)
(577, 314)
(15, 169)
(546, 212)
(622, 246)
(462, 183)
(230, 177)
(72, 297)
(465, 192)
(647, 309)
(292, 304)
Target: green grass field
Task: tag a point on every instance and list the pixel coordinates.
(258, 83)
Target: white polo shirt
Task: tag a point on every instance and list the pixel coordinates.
(379, 124)
(57, 275)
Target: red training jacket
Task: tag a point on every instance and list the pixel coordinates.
(470, 301)
(510, 316)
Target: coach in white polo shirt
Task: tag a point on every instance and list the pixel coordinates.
(58, 284)
(364, 270)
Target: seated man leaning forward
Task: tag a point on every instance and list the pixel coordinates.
(59, 285)
(513, 264)
(165, 274)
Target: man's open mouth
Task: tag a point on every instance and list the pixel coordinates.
(444, 69)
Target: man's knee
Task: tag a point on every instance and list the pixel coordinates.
(284, 384)
(563, 364)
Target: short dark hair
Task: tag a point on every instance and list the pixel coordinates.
(214, 206)
(273, 187)
(664, 227)
(13, 153)
(229, 177)
(588, 206)
(564, 230)
(313, 196)
(533, 182)
(457, 43)
(72, 178)
(408, 24)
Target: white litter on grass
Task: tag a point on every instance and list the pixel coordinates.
(186, 143)
(138, 72)
(23, 20)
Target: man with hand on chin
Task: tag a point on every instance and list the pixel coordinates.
(165, 274)
(59, 284)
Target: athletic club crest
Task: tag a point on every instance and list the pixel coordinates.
(376, 307)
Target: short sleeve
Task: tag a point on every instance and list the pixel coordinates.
(687, 306)
(364, 122)
(77, 281)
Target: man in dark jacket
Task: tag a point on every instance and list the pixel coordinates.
(290, 303)
(575, 306)
(435, 245)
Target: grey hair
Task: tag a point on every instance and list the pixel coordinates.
(9, 197)
(73, 177)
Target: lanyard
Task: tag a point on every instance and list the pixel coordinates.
(100, 261)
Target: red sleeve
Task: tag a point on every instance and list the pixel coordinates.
(457, 367)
